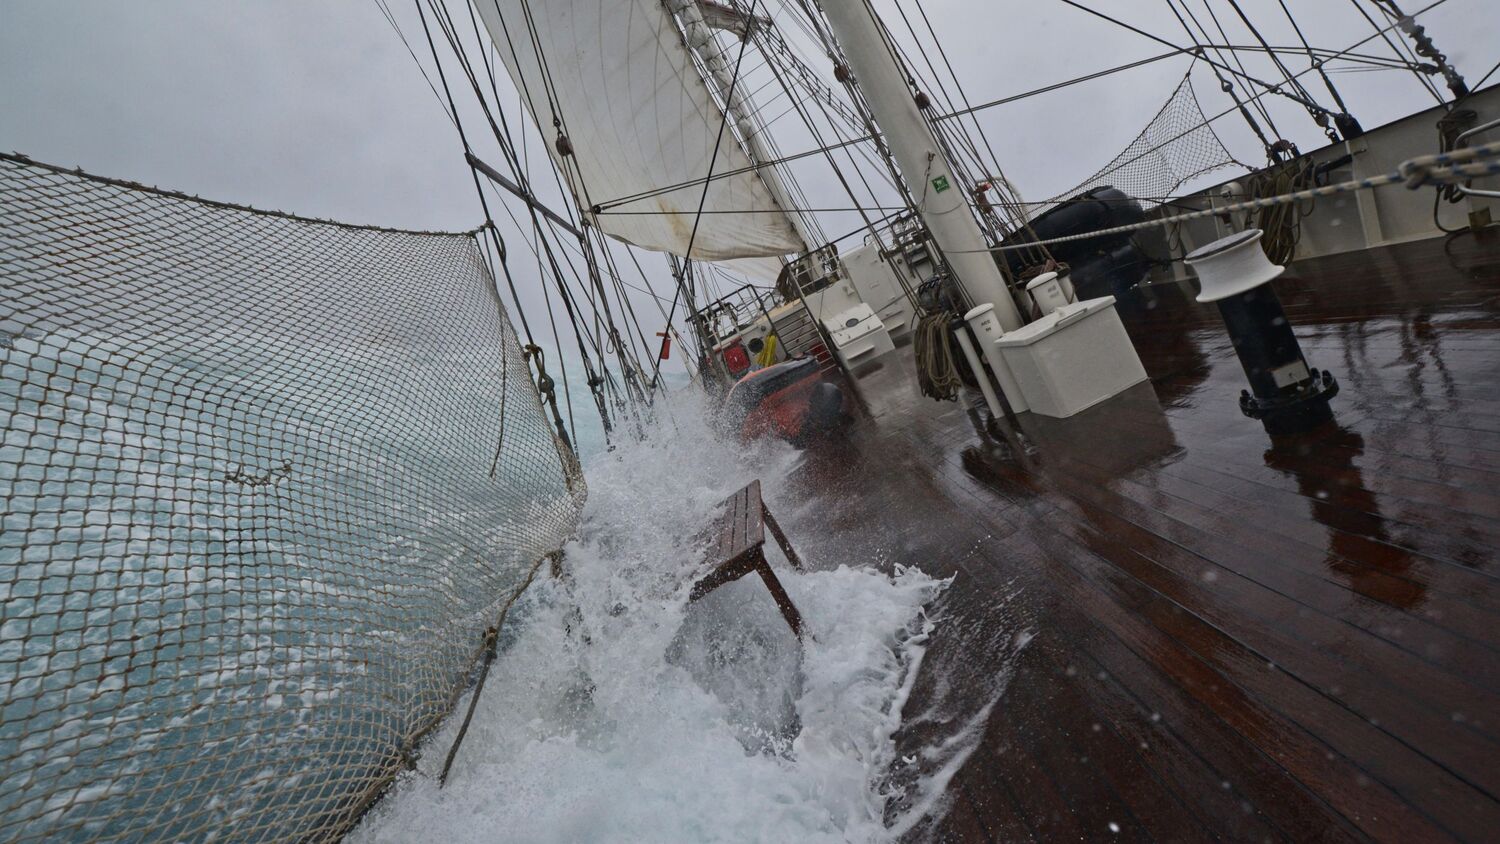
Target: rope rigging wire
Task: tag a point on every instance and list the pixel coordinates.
(1225, 84)
(1312, 59)
(712, 160)
(1220, 115)
(1396, 48)
(854, 142)
(627, 365)
(1436, 169)
(503, 138)
(827, 102)
(933, 331)
(769, 46)
(999, 225)
(1267, 86)
(708, 58)
(1423, 46)
(1319, 114)
(1325, 54)
(606, 337)
(597, 382)
(1373, 62)
(498, 245)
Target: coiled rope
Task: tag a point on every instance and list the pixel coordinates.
(937, 373)
(1282, 222)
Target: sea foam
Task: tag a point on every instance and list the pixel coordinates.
(589, 729)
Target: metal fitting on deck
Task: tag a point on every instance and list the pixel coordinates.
(1285, 394)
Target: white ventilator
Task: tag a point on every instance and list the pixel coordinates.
(1047, 292)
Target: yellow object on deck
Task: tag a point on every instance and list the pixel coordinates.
(767, 355)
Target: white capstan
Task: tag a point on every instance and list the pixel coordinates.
(1231, 265)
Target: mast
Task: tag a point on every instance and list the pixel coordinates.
(701, 41)
(940, 199)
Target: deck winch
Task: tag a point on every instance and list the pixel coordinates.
(1285, 394)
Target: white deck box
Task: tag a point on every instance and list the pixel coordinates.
(1073, 358)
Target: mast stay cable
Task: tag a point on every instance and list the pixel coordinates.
(1395, 46)
(1269, 87)
(712, 160)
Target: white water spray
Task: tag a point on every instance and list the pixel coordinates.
(592, 726)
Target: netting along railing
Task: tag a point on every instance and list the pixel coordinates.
(1177, 146)
(264, 483)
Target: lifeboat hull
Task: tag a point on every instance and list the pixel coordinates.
(791, 400)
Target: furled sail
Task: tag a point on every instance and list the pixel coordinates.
(639, 119)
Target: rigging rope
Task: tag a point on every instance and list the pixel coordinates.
(605, 338)
(491, 643)
(1319, 114)
(1396, 48)
(1331, 55)
(1270, 88)
(1422, 46)
(805, 75)
(1225, 84)
(1313, 60)
(1449, 127)
(445, 21)
(463, 138)
(1437, 169)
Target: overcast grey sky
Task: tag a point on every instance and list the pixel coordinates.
(317, 108)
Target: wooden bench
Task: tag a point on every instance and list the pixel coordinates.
(739, 546)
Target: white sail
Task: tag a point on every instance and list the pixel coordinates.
(639, 119)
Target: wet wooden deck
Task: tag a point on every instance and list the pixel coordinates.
(1163, 625)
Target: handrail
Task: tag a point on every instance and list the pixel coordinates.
(1465, 189)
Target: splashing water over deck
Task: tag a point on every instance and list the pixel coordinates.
(588, 730)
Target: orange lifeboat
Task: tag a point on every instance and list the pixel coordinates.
(791, 400)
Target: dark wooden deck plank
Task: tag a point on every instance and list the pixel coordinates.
(1397, 475)
(1227, 564)
(1256, 798)
(1117, 746)
(1258, 639)
(1367, 566)
(1401, 696)
(1007, 755)
(1260, 699)
(1242, 640)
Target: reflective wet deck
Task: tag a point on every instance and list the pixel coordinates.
(1199, 633)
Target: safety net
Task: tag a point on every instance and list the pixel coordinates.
(1177, 146)
(265, 484)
